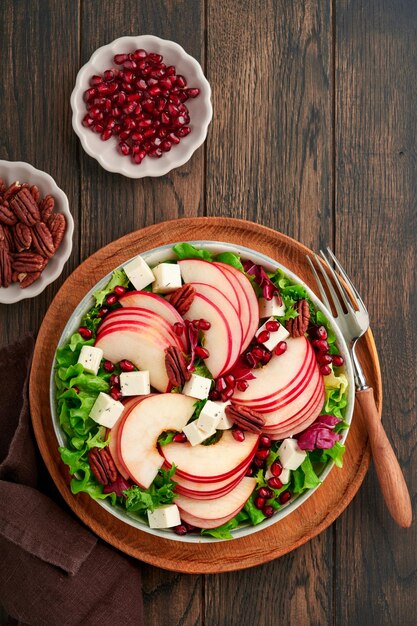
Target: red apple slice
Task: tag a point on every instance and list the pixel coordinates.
(112, 434)
(198, 494)
(217, 508)
(199, 522)
(211, 463)
(301, 423)
(278, 418)
(140, 428)
(208, 487)
(152, 302)
(200, 271)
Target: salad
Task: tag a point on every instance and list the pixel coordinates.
(201, 394)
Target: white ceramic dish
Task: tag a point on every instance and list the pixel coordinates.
(153, 257)
(200, 108)
(26, 173)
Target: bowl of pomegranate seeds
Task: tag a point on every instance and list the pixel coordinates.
(141, 106)
(36, 229)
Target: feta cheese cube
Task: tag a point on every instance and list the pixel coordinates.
(135, 383)
(290, 455)
(164, 516)
(224, 422)
(209, 417)
(106, 411)
(197, 387)
(196, 435)
(268, 308)
(167, 278)
(139, 273)
(274, 337)
(90, 358)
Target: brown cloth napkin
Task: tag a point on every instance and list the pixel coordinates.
(53, 571)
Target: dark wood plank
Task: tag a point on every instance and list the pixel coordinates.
(376, 102)
(269, 159)
(35, 87)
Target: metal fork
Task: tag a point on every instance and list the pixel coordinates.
(353, 324)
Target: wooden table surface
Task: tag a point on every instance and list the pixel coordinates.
(313, 134)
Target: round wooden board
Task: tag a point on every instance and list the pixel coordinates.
(320, 510)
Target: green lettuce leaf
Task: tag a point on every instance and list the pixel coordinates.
(187, 251)
(255, 515)
(160, 492)
(334, 453)
(166, 437)
(304, 477)
(118, 278)
(230, 258)
(224, 531)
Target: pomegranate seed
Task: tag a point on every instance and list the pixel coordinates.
(126, 366)
(115, 393)
(261, 454)
(214, 395)
(263, 336)
(154, 58)
(265, 441)
(109, 75)
(165, 83)
(119, 290)
(99, 128)
(170, 70)
(106, 134)
(154, 90)
(130, 65)
(189, 527)
(121, 97)
(275, 483)
(124, 148)
(119, 59)
(230, 381)
(251, 360)
(87, 121)
(324, 359)
(146, 122)
(75, 389)
(102, 311)
(111, 123)
(96, 80)
(124, 134)
(85, 332)
(250, 471)
(257, 352)
(103, 89)
(176, 100)
(258, 463)
(90, 94)
(165, 119)
(266, 356)
(173, 110)
(173, 138)
(276, 469)
(272, 326)
(155, 153)
(148, 105)
(180, 81)
(108, 366)
(150, 132)
(111, 299)
(202, 353)
(95, 112)
(114, 380)
(284, 497)
(192, 93)
(320, 345)
(338, 360)
(238, 434)
(325, 370)
(321, 333)
(259, 502)
(280, 348)
(179, 438)
(180, 530)
(264, 492)
(179, 121)
(184, 131)
(242, 385)
(268, 510)
(166, 145)
(226, 395)
(112, 88)
(221, 384)
(140, 54)
(204, 324)
(178, 329)
(161, 104)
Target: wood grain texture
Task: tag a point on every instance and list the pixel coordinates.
(307, 521)
(376, 185)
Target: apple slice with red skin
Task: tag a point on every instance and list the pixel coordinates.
(285, 416)
(214, 463)
(208, 495)
(152, 302)
(300, 424)
(200, 271)
(141, 345)
(224, 507)
(251, 306)
(208, 487)
(111, 434)
(198, 522)
(137, 442)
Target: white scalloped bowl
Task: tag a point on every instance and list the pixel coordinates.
(26, 173)
(200, 108)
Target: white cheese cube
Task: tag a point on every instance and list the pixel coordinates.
(267, 308)
(167, 278)
(106, 411)
(209, 417)
(164, 516)
(197, 387)
(90, 358)
(274, 337)
(139, 273)
(224, 422)
(290, 455)
(195, 435)
(135, 383)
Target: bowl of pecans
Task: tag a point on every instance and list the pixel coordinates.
(36, 229)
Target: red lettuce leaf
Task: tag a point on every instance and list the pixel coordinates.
(320, 435)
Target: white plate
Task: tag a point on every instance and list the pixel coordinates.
(26, 173)
(153, 257)
(200, 108)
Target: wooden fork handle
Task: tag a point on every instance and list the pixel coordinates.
(390, 476)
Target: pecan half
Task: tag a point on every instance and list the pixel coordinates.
(27, 279)
(5, 268)
(7, 216)
(42, 239)
(298, 325)
(102, 465)
(176, 367)
(11, 190)
(28, 262)
(22, 237)
(25, 207)
(246, 419)
(57, 224)
(46, 207)
(35, 194)
(4, 241)
(182, 298)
